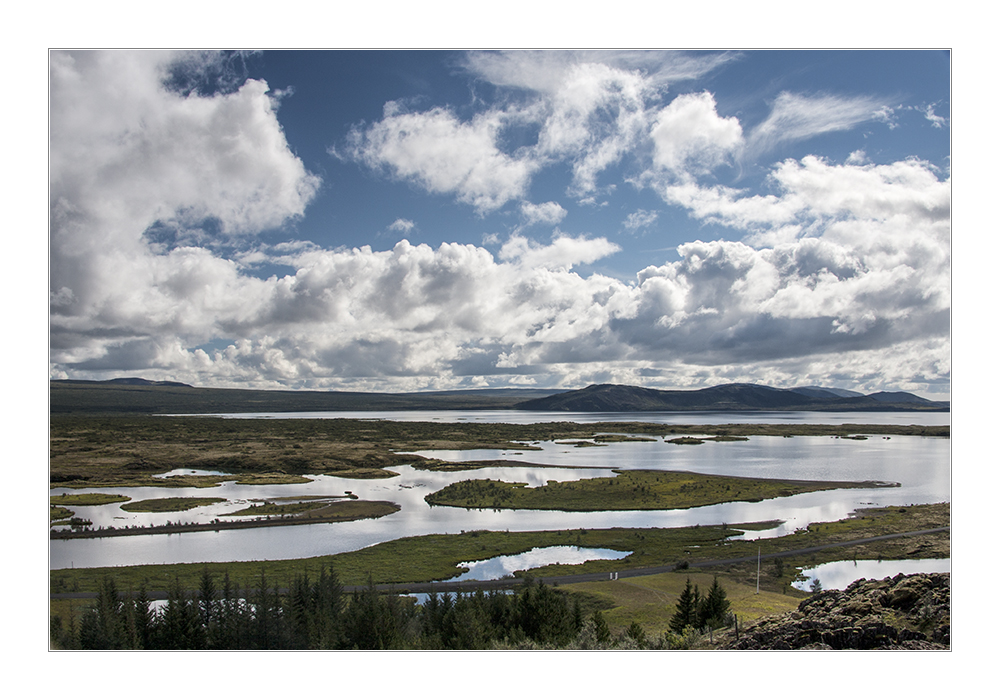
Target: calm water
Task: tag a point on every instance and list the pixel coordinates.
(666, 417)
(841, 574)
(920, 465)
(499, 567)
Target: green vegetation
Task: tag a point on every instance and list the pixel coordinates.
(606, 613)
(311, 506)
(687, 440)
(435, 557)
(630, 490)
(652, 601)
(169, 505)
(316, 613)
(87, 499)
(325, 513)
(59, 513)
(695, 611)
(118, 450)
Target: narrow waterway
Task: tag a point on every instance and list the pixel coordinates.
(920, 465)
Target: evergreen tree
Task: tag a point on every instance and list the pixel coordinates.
(143, 618)
(686, 613)
(371, 621)
(207, 604)
(103, 626)
(269, 630)
(715, 607)
(601, 629)
(328, 607)
(178, 626)
(299, 613)
(637, 634)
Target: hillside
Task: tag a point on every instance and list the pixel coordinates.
(726, 397)
(134, 395)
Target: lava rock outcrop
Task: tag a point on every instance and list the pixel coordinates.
(902, 612)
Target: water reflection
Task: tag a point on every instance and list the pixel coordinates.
(665, 417)
(920, 465)
(840, 574)
(499, 567)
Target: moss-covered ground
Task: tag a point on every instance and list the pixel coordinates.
(123, 450)
(168, 505)
(630, 490)
(435, 557)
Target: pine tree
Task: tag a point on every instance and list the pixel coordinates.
(715, 606)
(207, 605)
(638, 635)
(686, 614)
(601, 630)
(328, 607)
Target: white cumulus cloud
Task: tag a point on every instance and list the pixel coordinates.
(445, 155)
(547, 213)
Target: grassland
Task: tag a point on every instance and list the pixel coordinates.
(168, 505)
(274, 507)
(650, 600)
(57, 513)
(328, 513)
(630, 490)
(87, 499)
(120, 451)
(435, 557)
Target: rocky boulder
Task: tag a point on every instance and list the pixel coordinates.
(902, 612)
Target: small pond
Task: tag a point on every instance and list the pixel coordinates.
(499, 567)
(840, 574)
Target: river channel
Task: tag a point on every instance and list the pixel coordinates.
(920, 465)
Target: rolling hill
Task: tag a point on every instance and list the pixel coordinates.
(135, 395)
(727, 397)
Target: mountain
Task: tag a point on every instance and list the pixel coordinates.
(898, 397)
(726, 397)
(822, 392)
(136, 395)
(139, 381)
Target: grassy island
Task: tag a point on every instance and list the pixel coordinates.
(125, 450)
(435, 557)
(169, 505)
(87, 499)
(630, 490)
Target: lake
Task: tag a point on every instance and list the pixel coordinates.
(665, 417)
(920, 465)
(840, 574)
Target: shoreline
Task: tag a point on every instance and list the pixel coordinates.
(387, 508)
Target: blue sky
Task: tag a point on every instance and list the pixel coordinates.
(380, 220)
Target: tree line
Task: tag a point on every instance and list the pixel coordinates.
(316, 613)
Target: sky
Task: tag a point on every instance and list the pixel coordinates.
(429, 220)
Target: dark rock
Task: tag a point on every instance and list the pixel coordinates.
(902, 612)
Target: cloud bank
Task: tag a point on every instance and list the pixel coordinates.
(842, 274)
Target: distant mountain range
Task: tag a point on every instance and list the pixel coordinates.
(136, 395)
(728, 397)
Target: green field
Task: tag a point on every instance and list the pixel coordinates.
(89, 451)
(87, 499)
(435, 557)
(169, 505)
(630, 490)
